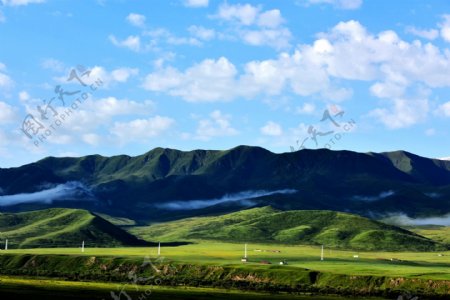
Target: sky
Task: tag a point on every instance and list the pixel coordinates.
(116, 77)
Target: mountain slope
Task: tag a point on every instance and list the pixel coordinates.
(266, 225)
(60, 227)
(138, 187)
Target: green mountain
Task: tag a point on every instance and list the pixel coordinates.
(60, 227)
(267, 225)
(147, 187)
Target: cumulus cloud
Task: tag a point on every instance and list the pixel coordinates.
(445, 28)
(196, 3)
(20, 2)
(202, 33)
(53, 64)
(403, 113)
(217, 125)
(132, 42)
(107, 77)
(7, 113)
(140, 130)
(380, 196)
(306, 108)
(136, 19)
(70, 191)
(242, 198)
(272, 129)
(341, 4)
(255, 26)
(210, 80)
(394, 68)
(444, 109)
(5, 81)
(429, 34)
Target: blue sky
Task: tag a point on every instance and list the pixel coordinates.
(359, 75)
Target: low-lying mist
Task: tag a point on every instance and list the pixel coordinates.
(69, 191)
(242, 198)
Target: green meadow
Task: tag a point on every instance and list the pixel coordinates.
(432, 265)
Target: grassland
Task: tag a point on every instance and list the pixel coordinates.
(313, 227)
(59, 227)
(45, 289)
(217, 264)
(427, 265)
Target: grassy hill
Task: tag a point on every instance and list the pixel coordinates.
(267, 225)
(59, 227)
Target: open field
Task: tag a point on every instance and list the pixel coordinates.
(56, 289)
(406, 264)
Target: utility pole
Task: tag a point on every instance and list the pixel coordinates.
(321, 254)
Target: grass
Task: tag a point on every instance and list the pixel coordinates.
(60, 227)
(314, 227)
(21, 288)
(426, 265)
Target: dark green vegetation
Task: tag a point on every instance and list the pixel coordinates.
(250, 277)
(267, 225)
(363, 183)
(45, 289)
(59, 227)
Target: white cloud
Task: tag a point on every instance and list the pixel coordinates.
(132, 42)
(2, 17)
(445, 28)
(404, 113)
(53, 64)
(244, 14)
(136, 19)
(254, 26)
(444, 109)
(123, 74)
(196, 3)
(429, 34)
(91, 139)
(162, 35)
(272, 129)
(7, 113)
(20, 2)
(119, 75)
(24, 96)
(394, 69)
(306, 108)
(140, 130)
(210, 80)
(270, 19)
(5, 81)
(341, 4)
(216, 126)
(202, 32)
(276, 38)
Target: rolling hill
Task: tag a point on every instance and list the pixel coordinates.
(167, 184)
(267, 225)
(58, 227)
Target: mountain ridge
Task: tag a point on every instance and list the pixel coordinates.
(363, 183)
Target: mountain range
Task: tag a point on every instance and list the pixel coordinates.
(167, 184)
